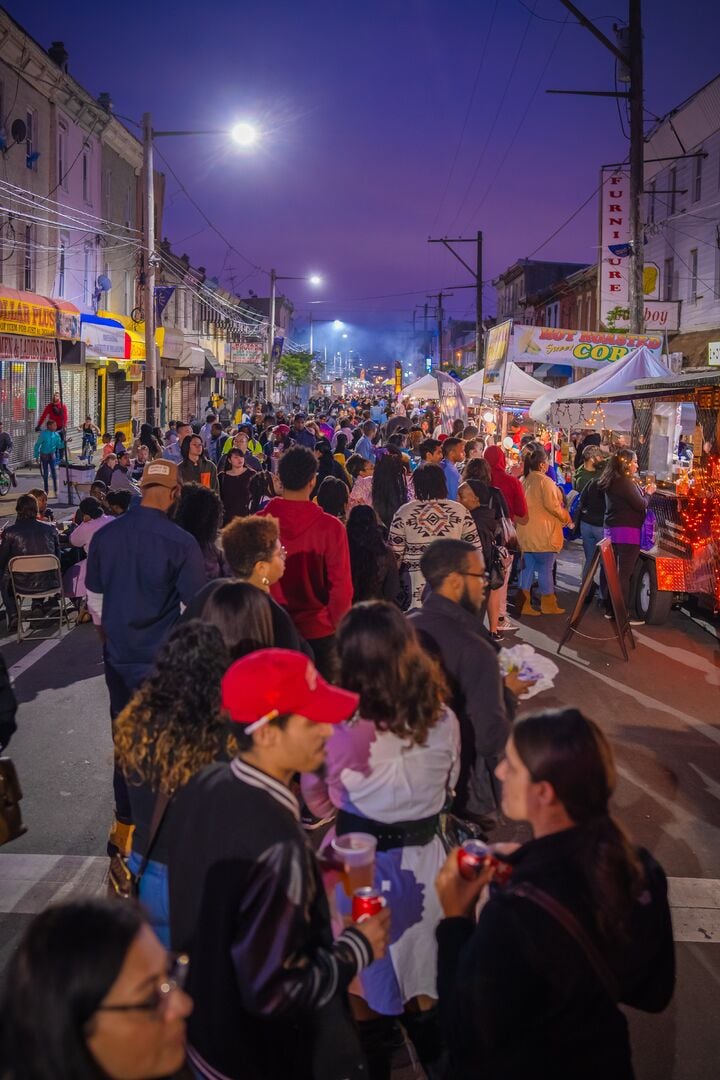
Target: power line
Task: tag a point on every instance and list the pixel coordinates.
(567, 221)
(467, 116)
(476, 170)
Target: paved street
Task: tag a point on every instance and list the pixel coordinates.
(661, 710)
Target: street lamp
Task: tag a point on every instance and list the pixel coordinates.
(244, 135)
(312, 279)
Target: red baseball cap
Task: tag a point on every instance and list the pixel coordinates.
(272, 682)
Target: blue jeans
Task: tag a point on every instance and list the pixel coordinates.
(540, 562)
(590, 535)
(154, 895)
(48, 466)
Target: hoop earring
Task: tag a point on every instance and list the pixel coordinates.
(265, 580)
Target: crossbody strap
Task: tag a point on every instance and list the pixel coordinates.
(162, 801)
(574, 928)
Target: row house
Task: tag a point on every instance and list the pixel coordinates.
(70, 250)
(524, 279)
(682, 220)
(570, 303)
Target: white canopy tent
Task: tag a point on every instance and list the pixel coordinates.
(516, 387)
(426, 387)
(571, 406)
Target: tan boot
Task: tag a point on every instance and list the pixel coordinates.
(527, 608)
(550, 606)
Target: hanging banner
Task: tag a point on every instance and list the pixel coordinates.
(398, 377)
(496, 351)
(162, 299)
(104, 340)
(451, 399)
(277, 349)
(552, 344)
(614, 268)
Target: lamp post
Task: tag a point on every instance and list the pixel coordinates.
(245, 135)
(312, 279)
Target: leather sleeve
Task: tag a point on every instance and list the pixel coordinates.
(277, 969)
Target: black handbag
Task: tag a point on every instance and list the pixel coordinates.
(496, 569)
(11, 825)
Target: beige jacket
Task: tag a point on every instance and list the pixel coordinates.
(546, 515)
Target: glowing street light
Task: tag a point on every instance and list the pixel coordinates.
(312, 279)
(315, 279)
(244, 134)
(338, 324)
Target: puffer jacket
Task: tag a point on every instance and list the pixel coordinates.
(28, 536)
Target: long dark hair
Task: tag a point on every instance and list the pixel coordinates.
(332, 496)
(389, 487)
(564, 748)
(68, 959)
(173, 725)
(618, 465)
(401, 689)
(147, 438)
(199, 511)
(185, 447)
(242, 614)
(368, 553)
(430, 482)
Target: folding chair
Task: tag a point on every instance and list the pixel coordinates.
(19, 567)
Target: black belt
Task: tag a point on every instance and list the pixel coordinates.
(395, 835)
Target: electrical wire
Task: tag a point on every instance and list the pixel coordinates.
(467, 116)
(522, 120)
(481, 157)
(567, 221)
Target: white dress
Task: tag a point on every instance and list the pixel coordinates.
(376, 775)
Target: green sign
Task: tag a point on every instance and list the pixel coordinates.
(31, 400)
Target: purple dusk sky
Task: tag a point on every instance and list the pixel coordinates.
(363, 108)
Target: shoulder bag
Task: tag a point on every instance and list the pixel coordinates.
(575, 929)
(123, 884)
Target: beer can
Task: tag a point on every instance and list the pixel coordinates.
(366, 902)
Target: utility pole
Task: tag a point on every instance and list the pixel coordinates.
(270, 380)
(632, 59)
(477, 275)
(151, 379)
(440, 327)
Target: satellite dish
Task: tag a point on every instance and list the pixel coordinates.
(18, 130)
(104, 283)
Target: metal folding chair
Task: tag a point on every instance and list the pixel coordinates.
(19, 567)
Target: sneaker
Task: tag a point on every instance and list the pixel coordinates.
(496, 635)
(506, 623)
(636, 622)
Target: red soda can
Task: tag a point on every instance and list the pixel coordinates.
(474, 857)
(366, 902)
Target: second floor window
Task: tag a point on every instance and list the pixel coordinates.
(30, 139)
(62, 155)
(61, 271)
(697, 177)
(29, 260)
(651, 203)
(87, 197)
(694, 274)
(668, 275)
(673, 190)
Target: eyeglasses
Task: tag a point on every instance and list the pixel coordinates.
(281, 551)
(157, 1001)
(472, 573)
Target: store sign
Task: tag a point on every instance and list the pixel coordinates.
(15, 347)
(104, 341)
(398, 377)
(551, 344)
(245, 351)
(496, 351)
(714, 353)
(134, 373)
(42, 319)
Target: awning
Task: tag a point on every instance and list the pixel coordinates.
(33, 315)
(213, 367)
(248, 372)
(694, 345)
(192, 359)
(136, 333)
(103, 338)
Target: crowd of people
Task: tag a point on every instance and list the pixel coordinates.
(301, 618)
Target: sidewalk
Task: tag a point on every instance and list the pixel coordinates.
(28, 476)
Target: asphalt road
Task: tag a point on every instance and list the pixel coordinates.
(661, 710)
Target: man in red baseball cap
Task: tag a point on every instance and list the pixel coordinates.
(246, 897)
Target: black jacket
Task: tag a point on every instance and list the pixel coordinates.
(518, 996)
(625, 504)
(248, 905)
(28, 536)
(477, 696)
(591, 508)
(8, 706)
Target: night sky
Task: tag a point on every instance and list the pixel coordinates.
(363, 108)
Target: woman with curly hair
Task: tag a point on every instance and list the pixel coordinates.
(171, 729)
(388, 772)
(199, 511)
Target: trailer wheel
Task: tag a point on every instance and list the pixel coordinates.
(651, 604)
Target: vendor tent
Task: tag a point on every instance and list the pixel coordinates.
(516, 386)
(426, 387)
(572, 405)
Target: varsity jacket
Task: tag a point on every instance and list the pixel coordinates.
(248, 906)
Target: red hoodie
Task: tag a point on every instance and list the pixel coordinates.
(510, 486)
(316, 587)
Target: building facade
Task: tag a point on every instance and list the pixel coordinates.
(523, 280)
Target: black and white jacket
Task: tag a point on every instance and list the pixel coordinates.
(247, 904)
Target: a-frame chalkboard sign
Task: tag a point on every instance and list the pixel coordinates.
(621, 623)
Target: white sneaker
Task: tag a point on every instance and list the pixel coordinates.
(506, 623)
(636, 622)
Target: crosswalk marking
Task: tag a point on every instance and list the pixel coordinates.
(28, 883)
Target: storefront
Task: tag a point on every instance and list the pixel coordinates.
(30, 328)
(121, 382)
(183, 364)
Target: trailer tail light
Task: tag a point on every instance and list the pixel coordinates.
(670, 575)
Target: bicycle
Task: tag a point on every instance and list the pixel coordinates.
(5, 479)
